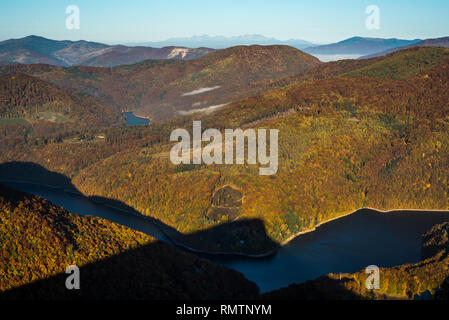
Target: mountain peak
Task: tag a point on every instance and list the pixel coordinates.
(223, 42)
(35, 49)
(359, 46)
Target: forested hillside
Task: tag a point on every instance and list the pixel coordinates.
(353, 134)
(23, 96)
(377, 143)
(160, 89)
(39, 240)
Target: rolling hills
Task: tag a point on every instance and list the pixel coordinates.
(438, 42)
(23, 96)
(359, 46)
(359, 141)
(161, 89)
(39, 240)
(366, 132)
(352, 134)
(425, 280)
(34, 49)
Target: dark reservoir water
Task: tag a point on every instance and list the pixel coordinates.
(133, 120)
(346, 245)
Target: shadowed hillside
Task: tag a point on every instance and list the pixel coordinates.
(39, 240)
(352, 134)
(344, 144)
(118, 263)
(242, 237)
(437, 42)
(427, 278)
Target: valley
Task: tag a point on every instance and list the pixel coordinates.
(159, 89)
(342, 246)
(112, 258)
(353, 134)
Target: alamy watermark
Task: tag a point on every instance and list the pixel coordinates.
(373, 280)
(186, 152)
(73, 281)
(72, 21)
(373, 20)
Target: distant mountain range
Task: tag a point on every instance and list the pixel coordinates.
(34, 49)
(162, 89)
(438, 42)
(359, 46)
(221, 42)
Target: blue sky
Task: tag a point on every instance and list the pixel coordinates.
(318, 21)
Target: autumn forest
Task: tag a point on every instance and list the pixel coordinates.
(353, 134)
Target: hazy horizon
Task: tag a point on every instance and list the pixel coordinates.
(138, 21)
(204, 35)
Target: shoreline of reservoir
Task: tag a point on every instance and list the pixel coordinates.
(135, 119)
(171, 237)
